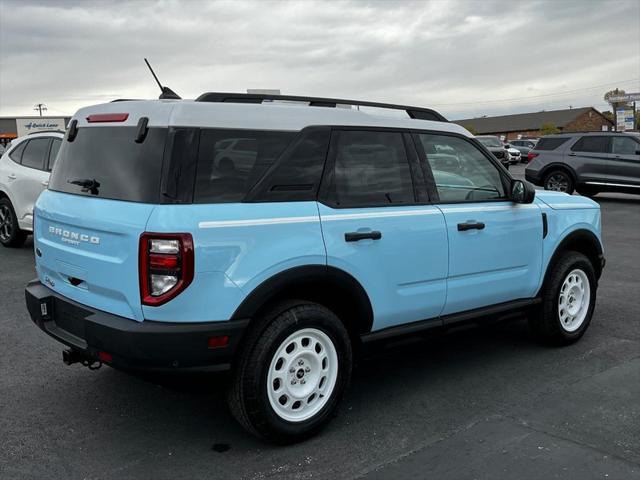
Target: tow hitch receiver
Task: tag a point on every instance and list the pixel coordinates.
(71, 356)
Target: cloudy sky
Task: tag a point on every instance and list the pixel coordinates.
(465, 58)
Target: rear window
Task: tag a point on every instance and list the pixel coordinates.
(550, 143)
(230, 162)
(106, 162)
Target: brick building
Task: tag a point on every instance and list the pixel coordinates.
(511, 127)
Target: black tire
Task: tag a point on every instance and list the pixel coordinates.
(545, 322)
(588, 192)
(559, 176)
(248, 395)
(10, 233)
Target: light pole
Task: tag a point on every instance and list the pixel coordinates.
(40, 107)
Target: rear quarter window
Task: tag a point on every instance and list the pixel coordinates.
(550, 143)
(230, 162)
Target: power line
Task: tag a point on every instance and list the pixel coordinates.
(519, 99)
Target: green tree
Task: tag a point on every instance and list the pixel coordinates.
(471, 128)
(548, 128)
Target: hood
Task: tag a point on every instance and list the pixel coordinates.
(563, 201)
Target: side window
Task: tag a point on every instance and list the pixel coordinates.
(625, 146)
(371, 169)
(53, 153)
(16, 153)
(592, 145)
(230, 162)
(34, 153)
(460, 170)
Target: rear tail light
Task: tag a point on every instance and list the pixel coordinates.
(531, 156)
(165, 266)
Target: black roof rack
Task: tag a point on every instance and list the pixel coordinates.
(418, 113)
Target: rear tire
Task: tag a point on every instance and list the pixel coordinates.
(559, 181)
(568, 300)
(292, 372)
(10, 233)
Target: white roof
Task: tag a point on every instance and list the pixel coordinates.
(265, 116)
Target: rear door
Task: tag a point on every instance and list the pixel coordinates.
(624, 165)
(380, 229)
(495, 245)
(88, 224)
(589, 156)
(31, 178)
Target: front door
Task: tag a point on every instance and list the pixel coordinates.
(589, 157)
(495, 245)
(376, 228)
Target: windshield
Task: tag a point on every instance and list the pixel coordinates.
(490, 141)
(106, 162)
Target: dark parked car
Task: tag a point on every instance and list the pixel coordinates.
(496, 147)
(587, 162)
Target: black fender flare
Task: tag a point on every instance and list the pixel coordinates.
(328, 280)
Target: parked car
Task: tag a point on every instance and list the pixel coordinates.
(24, 174)
(513, 154)
(524, 142)
(344, 232)
(524, 147)
(587, 162)
(495, 146)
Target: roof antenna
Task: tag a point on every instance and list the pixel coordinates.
(166, 91)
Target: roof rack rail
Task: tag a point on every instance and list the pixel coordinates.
(418, 113)
(46, 131)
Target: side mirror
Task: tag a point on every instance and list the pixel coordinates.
(522, 192)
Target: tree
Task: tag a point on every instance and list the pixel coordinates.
(548, 128)
(471, 128)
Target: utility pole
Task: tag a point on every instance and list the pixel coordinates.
(40, 107)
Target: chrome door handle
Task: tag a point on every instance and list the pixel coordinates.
(45, 183)
(11, 176)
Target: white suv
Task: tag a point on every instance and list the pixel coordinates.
(24, 174)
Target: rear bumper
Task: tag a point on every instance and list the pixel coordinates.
(156, 346)
(532, 177)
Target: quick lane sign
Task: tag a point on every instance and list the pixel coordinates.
(29, 125)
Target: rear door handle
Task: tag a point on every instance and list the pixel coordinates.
(572, 154)
(45, 183)
(463, 227)
(356, 236)
(11, 176)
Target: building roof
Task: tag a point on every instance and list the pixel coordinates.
(524, 121)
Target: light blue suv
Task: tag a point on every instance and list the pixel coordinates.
(274, 238)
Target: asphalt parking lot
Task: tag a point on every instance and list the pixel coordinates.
(480, 403)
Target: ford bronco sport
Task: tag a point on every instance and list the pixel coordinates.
(160, 247)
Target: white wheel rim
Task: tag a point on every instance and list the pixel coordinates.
(574, 299)
(302, 375)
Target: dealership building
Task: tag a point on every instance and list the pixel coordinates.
(528, 125)
(13, 127)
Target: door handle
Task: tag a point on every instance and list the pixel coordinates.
(572, 154)
(471, 225)
(356, 236)
(45, 183)
(12, 176)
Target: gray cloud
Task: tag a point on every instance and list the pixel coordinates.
(454, 55)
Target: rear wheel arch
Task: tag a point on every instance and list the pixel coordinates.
(328, 286)
(559, 166)
(583, 241)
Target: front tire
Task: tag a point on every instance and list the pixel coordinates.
(559, 181)
(10, 233)
(292, 373)
(568, 300)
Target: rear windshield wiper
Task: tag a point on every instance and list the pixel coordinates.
(88, 185)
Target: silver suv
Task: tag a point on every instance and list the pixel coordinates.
(587, 162)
